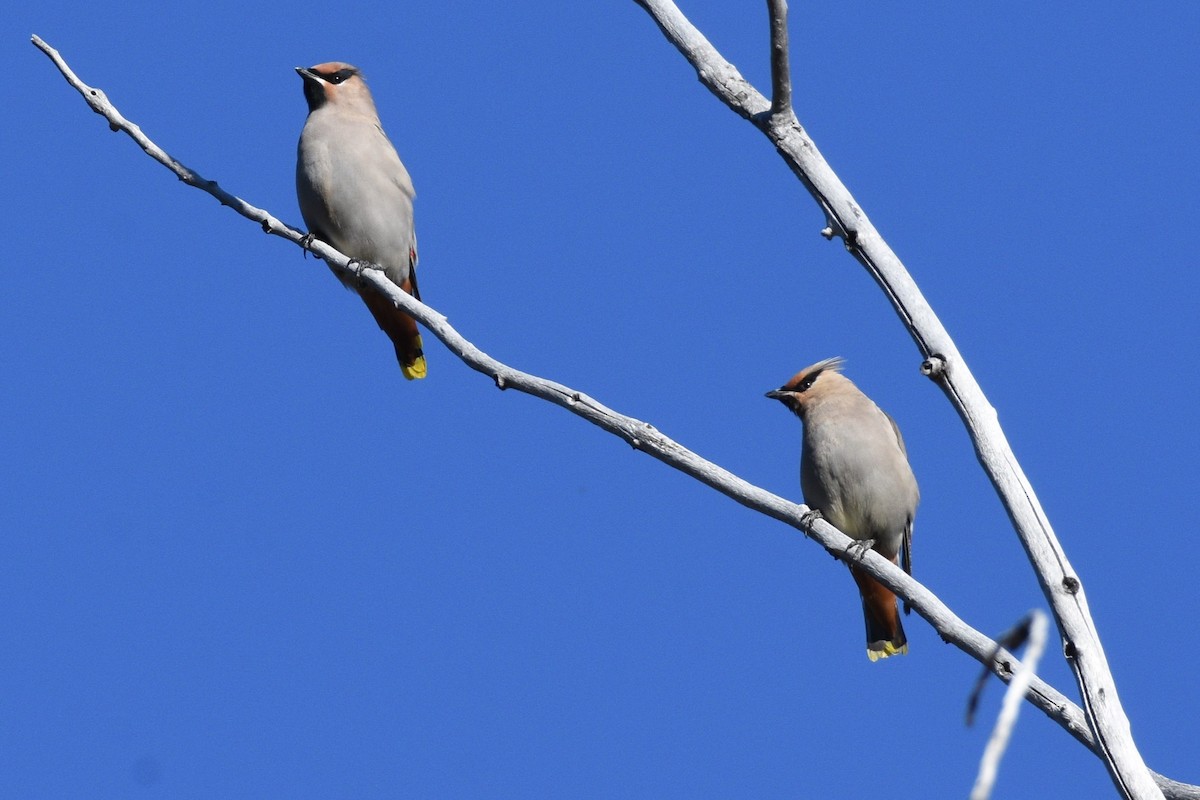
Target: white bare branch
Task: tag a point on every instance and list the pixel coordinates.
(946, 366)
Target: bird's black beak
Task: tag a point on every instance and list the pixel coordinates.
(306, 73)
(777, 394)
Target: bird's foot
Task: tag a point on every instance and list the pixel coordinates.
(810, 517)
(859, 547)
(357, 267)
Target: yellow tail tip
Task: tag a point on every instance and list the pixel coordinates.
(416, 370)
(886, 649)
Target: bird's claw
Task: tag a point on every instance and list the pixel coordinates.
(356, 266)
(859, 547)
(811, 516)
(306, 242)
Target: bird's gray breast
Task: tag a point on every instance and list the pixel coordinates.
(355, 193)
(854, 471)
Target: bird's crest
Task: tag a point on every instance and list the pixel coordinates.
(805, 377)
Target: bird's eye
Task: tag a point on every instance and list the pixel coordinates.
(340, 76)
(807, 383)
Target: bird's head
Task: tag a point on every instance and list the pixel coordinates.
(336, 83)
(810, 384)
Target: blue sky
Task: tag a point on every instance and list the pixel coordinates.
(242, 557)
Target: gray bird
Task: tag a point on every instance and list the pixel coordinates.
(854, 470)
(356, 196)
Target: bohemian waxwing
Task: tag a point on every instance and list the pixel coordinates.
(355, 195)
(854, 470)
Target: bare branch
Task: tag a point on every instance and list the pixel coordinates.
(781, 79)
(1062, 587)
(640, 435)
(1033, 628)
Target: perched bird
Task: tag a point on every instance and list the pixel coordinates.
(356, 196)
(854, 470)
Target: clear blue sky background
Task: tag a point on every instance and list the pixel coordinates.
(242, 557)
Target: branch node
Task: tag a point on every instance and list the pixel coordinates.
(827, 232)
(1071, 584)
(501, 383)
(934, 367)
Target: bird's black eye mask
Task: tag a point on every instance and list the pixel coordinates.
(340, 76)
(804, 385)
(808, 381)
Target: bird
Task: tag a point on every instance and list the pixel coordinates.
(854, 470)
(356, 195)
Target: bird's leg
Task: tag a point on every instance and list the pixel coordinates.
(356, 266)
(812, 516)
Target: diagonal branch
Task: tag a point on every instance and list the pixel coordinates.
(116, 122)
(640, 435)
(944, 364)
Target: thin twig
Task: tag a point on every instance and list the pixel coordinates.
(100, 103)
(989, 765)
(781, 79)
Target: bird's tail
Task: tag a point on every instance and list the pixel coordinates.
(412, 366)
(401, 329)
(885, 634)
